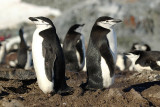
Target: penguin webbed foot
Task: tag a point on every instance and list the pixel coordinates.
(67, 91)
(86, 87)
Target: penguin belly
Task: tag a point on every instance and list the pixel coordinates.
(45, 85)
(107, 80)
(140, 68)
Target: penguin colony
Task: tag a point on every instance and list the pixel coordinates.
(49, 62)
(51, 58)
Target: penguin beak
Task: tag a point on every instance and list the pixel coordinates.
(116, 20)
(32, 19)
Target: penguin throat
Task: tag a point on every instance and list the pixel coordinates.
(106, 26)
(43, 26)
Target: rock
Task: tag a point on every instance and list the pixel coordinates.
(153, 95)
(136, 99)
(19, 74)
(78, 91)
(11, 103)
(114, 92)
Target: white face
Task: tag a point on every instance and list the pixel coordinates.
(78, 29)
(133, 57)
(106, 24)
(41, 23)
(140, 47)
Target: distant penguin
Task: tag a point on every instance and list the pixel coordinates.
(101, 54)
(145, 60)
(12, 43)
(140, 46)
(22, 51)
(24, 57)
(48, 58)
(124, 63)
(2, 52)
(74, 48)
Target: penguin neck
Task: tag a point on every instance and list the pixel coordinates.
(22, 38)
(43, 27)
(98, 30)
(40, 28)
(23, 42)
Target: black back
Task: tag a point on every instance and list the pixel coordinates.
(98, 46)
(54, 58)
(22, 51)
(72, 42)
(148, 58)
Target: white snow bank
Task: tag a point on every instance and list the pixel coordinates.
(13, 12)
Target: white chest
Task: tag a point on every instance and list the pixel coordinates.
(120, 62)
(45, 85)
(107, 80)
(139, 68)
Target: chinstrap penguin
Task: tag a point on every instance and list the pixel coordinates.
(48, 58)
(101, 54)
(24, 56)
(140, 46)
(74, 48)
(22, 51)
(124, 63)
(145, 60)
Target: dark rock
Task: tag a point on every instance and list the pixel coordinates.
(153, 94)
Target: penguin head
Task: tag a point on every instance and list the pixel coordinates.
(140, 46)
(107, 22)
(76, 28)
(42, 22)
(133, 56)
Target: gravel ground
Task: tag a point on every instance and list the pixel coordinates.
(131, 89)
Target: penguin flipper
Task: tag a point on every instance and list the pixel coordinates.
(106, 54)
(50, 58)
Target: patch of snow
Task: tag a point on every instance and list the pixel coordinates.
(14, 12)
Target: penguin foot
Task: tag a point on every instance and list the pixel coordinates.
(66, 91)
(86, 87)
(51, 94)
